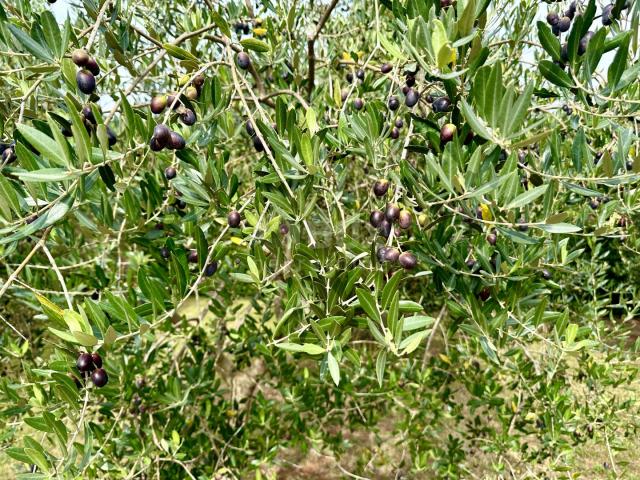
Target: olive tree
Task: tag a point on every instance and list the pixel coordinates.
(384, 238)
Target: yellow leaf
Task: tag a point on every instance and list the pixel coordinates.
(444, 358)
(260, 32)
(486, 213)
(446, 56)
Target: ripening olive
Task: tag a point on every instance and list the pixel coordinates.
(86, 82)
(234, 219)
(99, 377)
(176, 142)
(243, 60)
(407, 260)
(80, 57)
(412, 98)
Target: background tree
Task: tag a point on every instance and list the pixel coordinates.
(299, 239)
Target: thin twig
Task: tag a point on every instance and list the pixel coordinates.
(24, 263)
(59, 275)
(311, 40)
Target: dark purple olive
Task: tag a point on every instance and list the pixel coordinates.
(468, 138)
(564, 54)
(211, 268)
(594, 203)
(412, 98)
(243, 60)
(399, 123)
(88, 114)
(385, 228)
(154, 145)
(381, 253)
(447, 132)
(380, 187)
(404, 219)
(188, 117)
(360, 74)
(484, 294)
(546, 274)
(441, 104)
(192, 256)
(257, 144)
(80, 57)
(584, 43)
(234, 219)
(407, 260)
(386, 67)
(86, 82)
(392, 254)
(99, 378)
(173, 101)
(349, 77)
(395, 133)
(470, 263)
(176, 142)
(76, 380)
(376, 218)
(84, 362)
(552, 18)
(411, 81)
(249, 128)
(158, 104)
(162, 134)
(97, 360)
(93, 66)
(405, 89)
(164, 252)
(284, 229)
(392, 212)
(112, 139)
(358, 103)
(95, 295)
(492, 239)
(564, 24)
(394, 103)
(9, 156)
(170, 173)
(522, 225)
(607, 19)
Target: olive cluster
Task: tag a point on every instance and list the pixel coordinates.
(562, 23)
(89, 70)
(383, 222)
(92, 363)
(164, 137)
(243, 27)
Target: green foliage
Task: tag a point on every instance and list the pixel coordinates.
(230, 345)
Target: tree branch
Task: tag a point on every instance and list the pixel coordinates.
(311, 40)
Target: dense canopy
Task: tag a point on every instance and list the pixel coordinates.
(319, 239)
